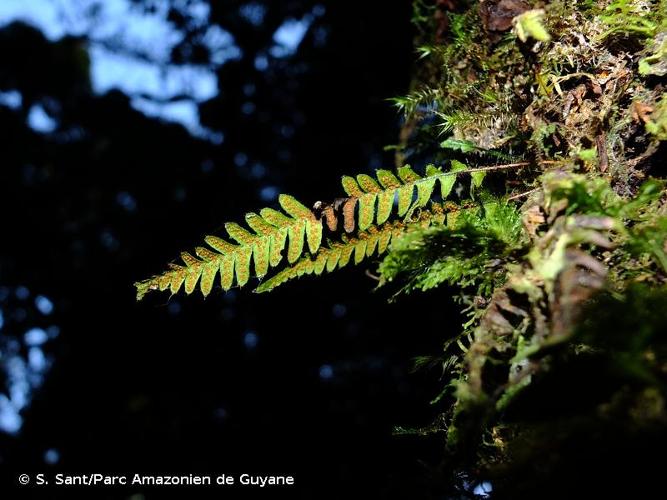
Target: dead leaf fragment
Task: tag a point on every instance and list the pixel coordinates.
(497, 15)
(641, 111)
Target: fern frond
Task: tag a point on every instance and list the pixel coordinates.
(374, 240)
(300, 229)
(262, 244)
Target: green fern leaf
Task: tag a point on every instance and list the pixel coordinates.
(447, 183)
(261, 245)
(351, 187)
(477, 178)
(407, 175)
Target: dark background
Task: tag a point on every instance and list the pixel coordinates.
(308, 380)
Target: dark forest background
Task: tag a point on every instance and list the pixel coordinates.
(95, 194)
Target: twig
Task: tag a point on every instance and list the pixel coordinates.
(372, 276)
(521, 195)
(498, 167)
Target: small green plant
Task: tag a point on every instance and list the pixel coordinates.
(634, 17)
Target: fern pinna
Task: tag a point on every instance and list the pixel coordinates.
(366, 215)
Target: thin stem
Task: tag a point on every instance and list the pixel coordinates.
(498, 167)
(521, 195)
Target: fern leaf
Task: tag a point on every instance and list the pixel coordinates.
(278, 232)
(261, 244)
(351, 187)
(447, 183)
(368, 210)
(192, 273)
(178, 274)
(209, 270)
(348, 214)
(226, 262)
(407, 175)
(368, 184)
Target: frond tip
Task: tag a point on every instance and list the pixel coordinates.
(262, 245)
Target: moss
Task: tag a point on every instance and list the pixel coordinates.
(657, 123)
(655, 62)
(576, 89)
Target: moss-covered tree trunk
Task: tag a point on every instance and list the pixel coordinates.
(557, 384)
